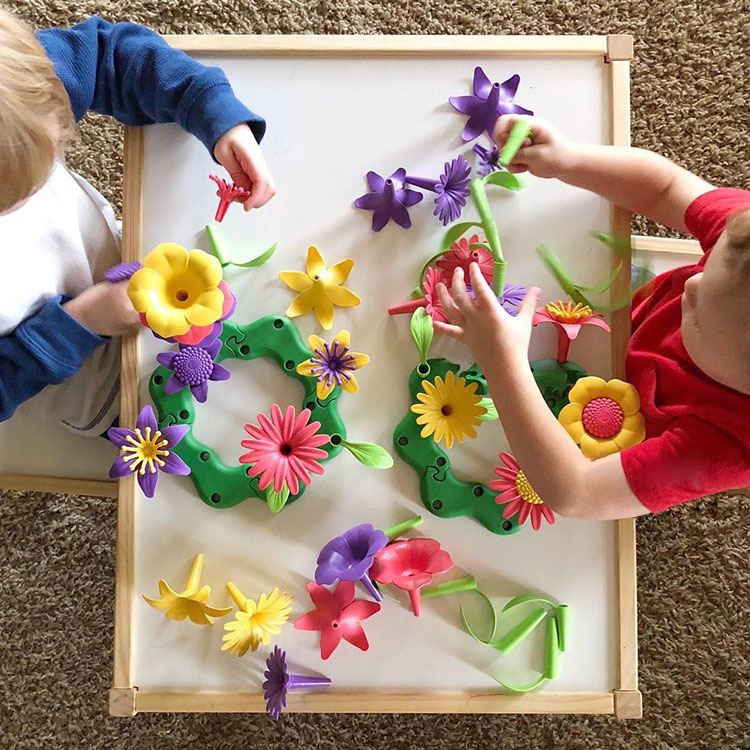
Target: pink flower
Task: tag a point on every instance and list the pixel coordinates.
(568, 319)
(519, 495)
(461, 255)
(284, 449)
(433, 306)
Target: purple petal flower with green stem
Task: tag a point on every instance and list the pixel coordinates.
(192, 367)
(489, 159)
(278, 682)
(147, 450)
(452, 188)
(388, 199)
(510, 299)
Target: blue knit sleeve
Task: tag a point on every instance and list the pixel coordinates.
(131, 73)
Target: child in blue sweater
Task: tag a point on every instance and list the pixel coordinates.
(60, 322)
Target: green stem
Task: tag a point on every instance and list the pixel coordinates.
(490, 230)
(467, 583)
(215, 246)
(400, 528)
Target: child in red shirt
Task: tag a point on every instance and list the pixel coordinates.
(689, 355)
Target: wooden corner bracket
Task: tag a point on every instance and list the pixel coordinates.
(628, 704)
(122, 702)
(619, 47)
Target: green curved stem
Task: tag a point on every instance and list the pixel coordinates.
(490, 231)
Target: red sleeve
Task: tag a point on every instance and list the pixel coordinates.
(691, 459)
(707, 215)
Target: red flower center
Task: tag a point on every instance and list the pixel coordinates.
(602, 418)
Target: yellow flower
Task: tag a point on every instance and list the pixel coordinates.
(603, 417)
(333, 364)
(448, 409)
(567, 312)
(255, 622)
(177, 289)
(192, 602)
(319, 289)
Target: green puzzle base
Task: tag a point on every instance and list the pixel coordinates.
(555, 379)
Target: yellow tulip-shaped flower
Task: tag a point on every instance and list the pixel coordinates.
(177, 289)
(255, 622)
(333, 364)
(192, 602)
(448, 409)
(320, 288)
(603, 417)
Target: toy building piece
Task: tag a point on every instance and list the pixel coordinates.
(218, 242)
(192, 602)
(333, 365)
(279, 682)
(388, 199)
(228, 193)
(568, 318)
(193, 367)
(451, 188)
(518, 134)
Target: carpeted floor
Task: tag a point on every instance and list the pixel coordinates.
(690, 102)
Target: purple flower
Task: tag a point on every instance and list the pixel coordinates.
(388, 199)
(121, 272)
(452, 188)
(510, 299)
(193, 366)
(147, 450)
(349, 557)
(489, 102)
(489, 159)
(278, 681)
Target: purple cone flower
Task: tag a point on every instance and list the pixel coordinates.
(452, 188)
(278, 681)
(489, 102)
(349, 557)
(122, 272)
(489, 159)
(388, 199)
(147, 450)
(193, 366)
(510, 299)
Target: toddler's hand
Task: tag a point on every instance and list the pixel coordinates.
(239, 153)
(105, 309)
(483, 325)
(546, 152)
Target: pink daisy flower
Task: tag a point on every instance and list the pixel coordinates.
(432, 301)
(284, 449)
(519, 495)
(461, 255)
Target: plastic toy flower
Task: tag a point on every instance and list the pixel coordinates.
(603, 417)
(430, 301)
(388, 199)
(512, 297)
(255, 622)
(319, 289)
(410, 565)
(228, 194)
(192, 602)
(449, 409)
(333, 364)
(568, 318)
(192, 367)
(278, 682)
(489, 159)
(337, 615)
(452, 188)
(490, 100)
(177, 289)
(462, 255)
(284, 449)
(349, 557)
(147, 450)
(121, 272)
(518, 494)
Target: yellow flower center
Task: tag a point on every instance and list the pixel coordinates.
(526, 491)
(145, 451)
(567, 312)
(446, 410)
(182, 290)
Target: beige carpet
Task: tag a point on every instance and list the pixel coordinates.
(690, 102)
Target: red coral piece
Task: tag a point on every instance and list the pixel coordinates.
(228, 194)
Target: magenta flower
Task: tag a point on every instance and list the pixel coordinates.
(388, 199)
(430, 301)
(452, 188)
(461, 255)
(192, 367)
(284, 449)
(278, 682)
(489, 159)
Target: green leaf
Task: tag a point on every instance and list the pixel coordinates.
(369, 454)
(618, 243)
(604, 285)
(422, 332)
(504, 179)
(258, 261)
(455, 232)
(490, 413)
(217, 239)
(276, 500)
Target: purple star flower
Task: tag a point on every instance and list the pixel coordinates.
(122, 272)
(147, 450)
(388, 199)
(452, 188)
(193, 366)
(278, 681)
(489, 102)
(510, 299)
(349, 557)
(489, 159)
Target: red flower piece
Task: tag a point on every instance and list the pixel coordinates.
(568, 319)
(461, 255)
(228, 193)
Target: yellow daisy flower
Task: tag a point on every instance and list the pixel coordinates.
(177, 289)
(192, 602)
(255, 622)
(603, 417)
(333, 364)
(319, 289)
(448, 409)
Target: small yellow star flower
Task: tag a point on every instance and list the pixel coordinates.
(333, 364)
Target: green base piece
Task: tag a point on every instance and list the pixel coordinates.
(275, 337)
(441, 493)
(555, 379)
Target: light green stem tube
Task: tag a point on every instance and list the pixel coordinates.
(513, 637)
(467, 583)
(563, 625)
(215, 246)
(490, 231)
(400, 528)
(551, 649)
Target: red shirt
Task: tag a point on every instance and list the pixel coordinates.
(697, 431)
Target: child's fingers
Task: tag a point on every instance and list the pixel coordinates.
(482, 291)
(458, 290)
(528, 304)
(449, 308)
(455, 332)
(261, 192)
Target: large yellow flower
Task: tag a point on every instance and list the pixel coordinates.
(448, 409)
(603, 417)
(255, 622)
(333, 364)
(177, 289)
(319, 289)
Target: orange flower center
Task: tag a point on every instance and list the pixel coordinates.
(567, 312)
(602, 418)
(526, 491)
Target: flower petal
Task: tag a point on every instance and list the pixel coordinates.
(341, 296)
(355, 634)
(593, 448)
(206, 309)
(302, 303)
(586, 389)
(296, 280)
(147, 481)
(323, 309)
(119, 436)
(633, 431)
(625, 394)
(173, 464)
(305, 368)
(316, 266)
(339, 273)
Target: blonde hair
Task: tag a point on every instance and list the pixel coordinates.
(35, 115)
(738, 231)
